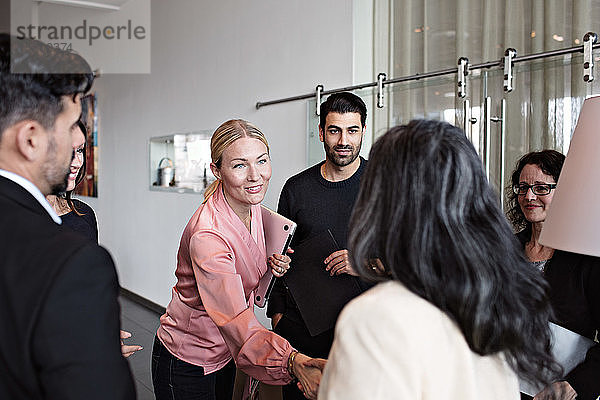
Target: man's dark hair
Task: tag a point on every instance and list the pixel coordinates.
(426, 210)
(343, 102)
(33, 79)
(550, 162)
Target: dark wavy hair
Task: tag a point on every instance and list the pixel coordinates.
(82, 170)
(550, 162)
(426, 210)
(34, 77)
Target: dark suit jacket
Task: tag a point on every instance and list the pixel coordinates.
(59, 316)
(575, 296)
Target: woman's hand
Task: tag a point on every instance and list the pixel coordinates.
(308, 371)
(557, 391)
(280, 263)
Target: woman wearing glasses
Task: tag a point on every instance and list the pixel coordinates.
(574, 279)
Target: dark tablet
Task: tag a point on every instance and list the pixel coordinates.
(319, 296)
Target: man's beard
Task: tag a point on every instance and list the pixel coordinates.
(59, 189)
(57, 177)
(342, 161)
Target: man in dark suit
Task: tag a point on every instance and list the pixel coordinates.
(59, 316)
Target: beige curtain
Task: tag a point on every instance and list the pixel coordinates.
(542, 109)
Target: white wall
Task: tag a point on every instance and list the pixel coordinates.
(211, 61)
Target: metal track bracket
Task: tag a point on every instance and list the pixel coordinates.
(461, 77)
(380, 95)
(509, 55)
(588, 58)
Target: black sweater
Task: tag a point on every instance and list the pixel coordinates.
(316, 205)
(85, 224)
(574, 281)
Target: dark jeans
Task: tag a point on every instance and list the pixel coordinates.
(174, 379)
(313, 346)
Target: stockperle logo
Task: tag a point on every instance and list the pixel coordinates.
(65, 34)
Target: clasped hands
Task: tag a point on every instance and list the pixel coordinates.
(308, 371)
(561, 390)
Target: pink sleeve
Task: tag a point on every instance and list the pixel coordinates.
(257, 351)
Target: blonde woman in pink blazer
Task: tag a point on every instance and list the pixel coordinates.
(209, 326)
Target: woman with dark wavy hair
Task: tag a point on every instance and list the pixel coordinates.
(574, 279)
(546, 165)
(458, 307)
(75, 213)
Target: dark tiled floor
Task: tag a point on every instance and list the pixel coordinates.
(142, 323)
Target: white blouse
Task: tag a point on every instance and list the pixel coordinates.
(392, 344)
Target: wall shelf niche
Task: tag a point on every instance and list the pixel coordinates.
(180, 163)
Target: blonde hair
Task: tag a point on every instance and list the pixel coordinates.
(224, 136)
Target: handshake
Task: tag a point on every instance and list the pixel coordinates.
(308, 371)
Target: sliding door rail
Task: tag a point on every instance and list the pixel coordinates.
(418, 76)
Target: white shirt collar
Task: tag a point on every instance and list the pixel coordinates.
(35, 192)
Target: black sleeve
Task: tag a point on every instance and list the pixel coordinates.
(277, 299)
(585, 378)
(276, 302)
(76, 339)
(283, 207)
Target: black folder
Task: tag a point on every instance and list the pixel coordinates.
(319, 296)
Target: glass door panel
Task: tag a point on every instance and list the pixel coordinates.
(540, 112)
(430, 98)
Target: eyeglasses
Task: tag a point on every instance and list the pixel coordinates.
(539, 189)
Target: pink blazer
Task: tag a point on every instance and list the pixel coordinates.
(210, 318)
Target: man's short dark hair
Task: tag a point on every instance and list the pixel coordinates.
(33, 79)
(343, 102)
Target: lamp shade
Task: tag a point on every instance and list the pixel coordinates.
(573, 220)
